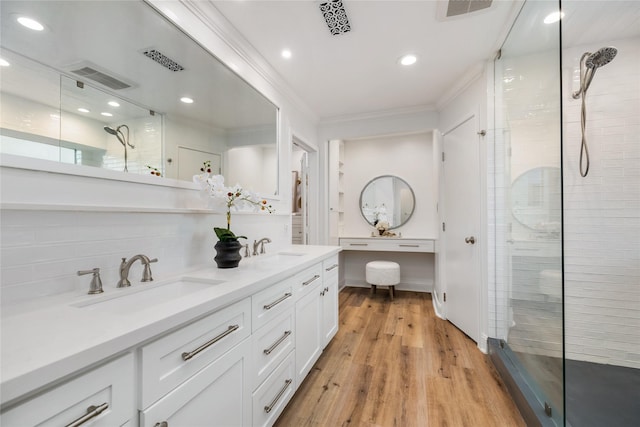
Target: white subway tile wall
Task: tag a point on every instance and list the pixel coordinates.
(602, 211)
(41, 251)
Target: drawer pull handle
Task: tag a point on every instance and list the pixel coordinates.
(190, 354)
(277, 343)
(276, 302)
(314, 278)
(358, 244)
(409, 246)
(162, 424)
(332, 267)
(92, 412)
(268, 409)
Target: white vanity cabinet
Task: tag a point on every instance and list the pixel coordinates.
(329, 299)
(102, 397)
(308, 320)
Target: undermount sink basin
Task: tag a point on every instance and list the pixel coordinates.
(142, 296)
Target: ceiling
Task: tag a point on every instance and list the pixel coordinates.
(358, 71)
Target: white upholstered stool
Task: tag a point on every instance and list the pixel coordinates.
(383, 273)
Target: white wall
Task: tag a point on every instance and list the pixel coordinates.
(409, 157)
(602, 211)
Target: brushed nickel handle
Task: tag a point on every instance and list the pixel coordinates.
(276, 302)
(269, 407)
(188, 355)
(277, 343)
(331, 268)
(409, 246)
(358, 244)
(471, 240)
(314, 278)
(92, 412)
(162, 424)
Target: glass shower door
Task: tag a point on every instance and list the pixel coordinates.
(528, 205)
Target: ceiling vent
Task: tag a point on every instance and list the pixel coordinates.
(163, 60)
(335, 16)
(462, 7)
(91, 72)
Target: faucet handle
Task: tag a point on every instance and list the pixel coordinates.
(96, 283)
(146, 273)
(247, 254)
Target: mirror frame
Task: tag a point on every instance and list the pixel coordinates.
(413, 195)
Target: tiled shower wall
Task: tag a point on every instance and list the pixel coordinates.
(602, 211)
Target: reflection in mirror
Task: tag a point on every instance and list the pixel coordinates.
(387, 198)
(536, 198)
(144, 68)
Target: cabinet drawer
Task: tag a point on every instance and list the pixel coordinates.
(219, 395)
(271, 302)
(271, 344)
(174, 358)
(108, 389)
(273, 395)
(306, 280)
(330, 268)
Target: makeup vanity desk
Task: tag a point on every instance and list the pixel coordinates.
(388, 244)
(417, 259)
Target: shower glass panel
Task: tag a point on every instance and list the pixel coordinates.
(528, 186)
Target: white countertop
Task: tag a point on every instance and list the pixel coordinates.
(49, 338)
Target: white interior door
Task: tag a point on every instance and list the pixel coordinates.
(462, 226)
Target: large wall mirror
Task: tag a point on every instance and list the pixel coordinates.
(536, 199)
(387, 198)
(101, 79)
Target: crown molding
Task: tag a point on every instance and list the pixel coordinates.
(462, 83)
(381, 114)
(212, 18)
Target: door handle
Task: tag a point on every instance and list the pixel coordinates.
(471, 240)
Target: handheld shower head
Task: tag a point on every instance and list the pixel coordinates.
(111, 131)
(601, 57)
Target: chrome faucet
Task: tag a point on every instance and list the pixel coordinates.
(125, 266)
(260, 243)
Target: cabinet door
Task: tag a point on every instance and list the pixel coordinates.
(100, 397)
(219, 395)
(329, 312)
(307, 332)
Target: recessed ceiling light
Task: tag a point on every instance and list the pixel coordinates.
(4, 63)
(408, 60)
(113, 103)
(83, 110)
(104, 113)
(31, 24)
(286, 53)
(553, 17)
(186, 100)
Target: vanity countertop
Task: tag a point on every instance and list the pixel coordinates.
(49, 338)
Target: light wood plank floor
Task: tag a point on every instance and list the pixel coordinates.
(397, 364)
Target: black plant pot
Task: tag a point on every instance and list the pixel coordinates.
(228, 254)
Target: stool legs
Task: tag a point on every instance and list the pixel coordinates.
(392, 289)
(373, 289)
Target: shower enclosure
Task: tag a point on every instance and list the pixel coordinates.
(565, 304)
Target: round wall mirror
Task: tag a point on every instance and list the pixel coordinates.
(536, 198)
(387, 198)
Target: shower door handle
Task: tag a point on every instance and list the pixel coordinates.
(470, 240)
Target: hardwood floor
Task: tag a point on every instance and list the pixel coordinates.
(397, 364)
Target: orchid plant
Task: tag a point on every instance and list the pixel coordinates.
(231, 198)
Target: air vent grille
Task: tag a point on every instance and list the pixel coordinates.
(335, 16)
(461, 7)
(163, 60)
(102, 78)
